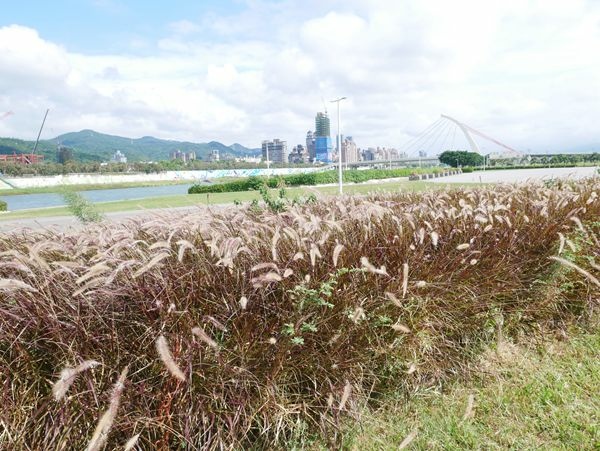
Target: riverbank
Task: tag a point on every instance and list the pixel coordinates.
(27, 218)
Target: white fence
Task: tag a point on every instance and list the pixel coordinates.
(191, 176)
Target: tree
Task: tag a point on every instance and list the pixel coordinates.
(457, 158)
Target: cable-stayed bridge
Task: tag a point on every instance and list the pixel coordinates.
(447, 133)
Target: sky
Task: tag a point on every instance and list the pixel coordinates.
(526, 72)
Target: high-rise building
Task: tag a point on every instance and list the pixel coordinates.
(323, 147)
(322, 127)
(276, 149)
(310, 145)
(349, 151)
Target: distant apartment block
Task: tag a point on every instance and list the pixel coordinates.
(275, 151)
(299, 155)
(213, 155)
(183, 156)
(350, 153)
(118, 157)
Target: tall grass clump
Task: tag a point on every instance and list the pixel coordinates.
(239, 328)
(81, 208)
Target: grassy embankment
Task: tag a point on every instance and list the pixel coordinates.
(249, 329)
(189, 200)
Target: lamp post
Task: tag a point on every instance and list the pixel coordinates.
(339, 140)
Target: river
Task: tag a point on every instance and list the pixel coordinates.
(43, 200)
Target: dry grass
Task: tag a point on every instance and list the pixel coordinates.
(239, 326)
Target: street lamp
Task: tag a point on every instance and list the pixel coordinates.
(339, 140)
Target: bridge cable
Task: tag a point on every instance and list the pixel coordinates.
(431, 135)
(412, 141)
(426, 137)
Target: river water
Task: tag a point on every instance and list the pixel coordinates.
(27, 201)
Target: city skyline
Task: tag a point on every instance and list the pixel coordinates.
(237, 71)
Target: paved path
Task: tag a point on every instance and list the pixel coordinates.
(518, 175)
(64, 223)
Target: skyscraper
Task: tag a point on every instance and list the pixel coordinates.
(323, 147)
(310, 145)
(322, 127)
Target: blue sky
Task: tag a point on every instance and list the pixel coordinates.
(101, 26)
(525, 72)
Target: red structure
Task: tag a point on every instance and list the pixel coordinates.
(21, 158)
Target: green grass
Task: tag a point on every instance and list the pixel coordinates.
(186, 200)
(544, 398)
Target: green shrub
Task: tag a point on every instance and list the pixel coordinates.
(3, 205)
(467, 169)
(308, 179)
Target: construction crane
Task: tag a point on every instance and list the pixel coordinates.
(40, 132)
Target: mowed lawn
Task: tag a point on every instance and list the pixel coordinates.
(522, 397)
(187, 200)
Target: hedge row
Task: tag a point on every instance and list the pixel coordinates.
(313, 178)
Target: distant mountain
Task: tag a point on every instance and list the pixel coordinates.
(242, 149)
(89, 145)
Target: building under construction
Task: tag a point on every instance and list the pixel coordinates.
(22, 158)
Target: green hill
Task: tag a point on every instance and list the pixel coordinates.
(89, 145)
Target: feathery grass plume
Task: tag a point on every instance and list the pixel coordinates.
(369, 267)
(469, 410)
(434, 238)
(462, 247)
(131, 442)
(276, 237)
(155, 261)
(264, 266)
(404, 279)
(488, 227)
(577, 268)
(14, 284)
(165, 355)
(243, 302)
(408, 439)
(336, 253)
(411, 369)
(561, 247)
(103, 428)
(314, 252)
(67, 377)
(199, 332)
(183, 245)
(98, 268)
(345, 395)
(392, 297)
(358, 315)
(287, 273)
(400, 328)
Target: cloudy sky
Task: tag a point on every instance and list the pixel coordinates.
(525, 72)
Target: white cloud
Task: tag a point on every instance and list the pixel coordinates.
(525, 72)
